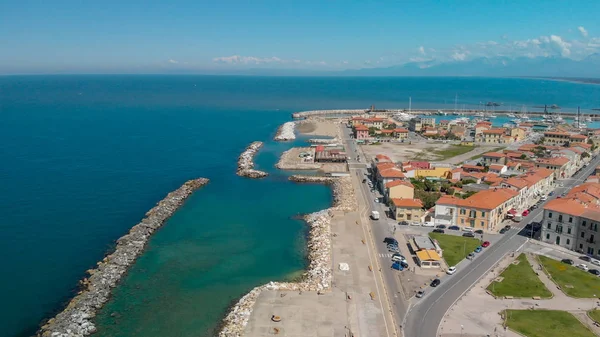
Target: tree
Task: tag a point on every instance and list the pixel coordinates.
(468, 181)
(428, 198)
(372, 130)
(450, 191)
(390, 126)
(540, 141)
(468, 194)
(523, 156)
(445, 187)
(430, 186)
(585, 155)
(590, 141)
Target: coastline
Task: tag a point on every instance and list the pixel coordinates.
(76, 318)
(318, 274)
(286, 132)
(246, 162)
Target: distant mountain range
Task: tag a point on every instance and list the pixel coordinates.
(495, 67)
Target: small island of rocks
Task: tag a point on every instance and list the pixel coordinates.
(246, 162)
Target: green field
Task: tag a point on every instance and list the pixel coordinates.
(546, 323)
(455, 248)
(453, 151)
(595, 315)
(519, 281)
(572, 281)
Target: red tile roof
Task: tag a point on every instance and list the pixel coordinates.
(407, 203)
(392, 173)
(555, 161)
(360, 127)
(494, 131)
(382, 158)
(494, 155)
(488, 199)
(398, 183)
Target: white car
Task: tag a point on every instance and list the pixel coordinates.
(451, 270)
(398, 258)
(428, 224)
(467, 229)
(543, 198)
(376, 199)
(595, 262)
(583, 266)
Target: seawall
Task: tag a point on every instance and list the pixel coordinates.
(318, 275)
(76, 319)
(286, 132)
(246, 162)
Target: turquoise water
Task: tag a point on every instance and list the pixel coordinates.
(84, 157)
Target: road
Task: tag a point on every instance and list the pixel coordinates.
(424, 318)
(379, 230)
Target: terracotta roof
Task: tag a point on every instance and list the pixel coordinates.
(497, 167)
(393, 172)
(420, 164)
(473, 167)
(488, 199)
(385, 166)
(401, 202)
(528, 147)
(382, 158)
(516, 182)
(583, 145)
(360, 127)
(555, 133)
(565, 205)
(456, 170)
(375, 119)
(558, 161)
(387, 131)
(512, 164)
(494, 131)
(358, 118)
(400, 130)
(578, 137)
(398, 183)
(494, 155)
(589, 188)
(542, 172)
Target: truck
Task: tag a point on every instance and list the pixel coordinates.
(375, 215)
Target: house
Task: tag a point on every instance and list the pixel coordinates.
(556, 137)
(517, 134)
(490, 158)
(374, 122)
(493, 136)
(410, 210)
(381, 158)
(444, 123)
(361, 132)
(497, 168)
(473, 168)
(557, 164)
(400, 133)
(399, 189)
(387, 175)
(482, 126)
(484, 210)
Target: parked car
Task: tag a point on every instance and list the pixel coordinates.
(403, 223)
(420, 294)
(440, 226)
(397, 266)
(567, 261)
(467, 229)
(364, 181)
(583, 266)
(438, 230)
(451, 270)
(468, 235)
(595, 262)
(454, 228)
(397, 257)
(390, 241)
(428, 224)
(479, 231)
(478, 249)
(393, 249)
(471, 256)
(585, 258)
(544, 198)
(525, 212)
(503, 230)
(551, 193)
(594, 271)
(485, 244)
(507, 227)
(377, 200)
(435, 282)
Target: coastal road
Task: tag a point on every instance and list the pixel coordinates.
(423, 319)
(379, 230)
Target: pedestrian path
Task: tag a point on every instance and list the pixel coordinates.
(388, 255)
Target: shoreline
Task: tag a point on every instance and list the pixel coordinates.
(76, 318)
(246, 162)
(317, 277)
(285, 132)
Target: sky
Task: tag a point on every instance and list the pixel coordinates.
(66, 36)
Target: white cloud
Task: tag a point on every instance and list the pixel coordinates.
(344, 62)
(173, 61)
(459, 56)
(559, 45)
(237, 59)
(582, 31)
(421, 50)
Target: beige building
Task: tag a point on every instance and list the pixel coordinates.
(410, 210)
(494, 136)
(399, 189)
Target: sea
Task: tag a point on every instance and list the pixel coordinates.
(84, 157)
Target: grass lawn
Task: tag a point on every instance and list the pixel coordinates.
(595, 315)
(453, 151)
(455, 248)
(546, 323)
(520, 281)
(573, 281)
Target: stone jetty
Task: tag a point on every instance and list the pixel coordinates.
(246, 162)
(306, 114)
(318, 275)
(286, 132)
(323, 140)
(76, 319)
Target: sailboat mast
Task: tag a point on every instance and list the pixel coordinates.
(409, 104)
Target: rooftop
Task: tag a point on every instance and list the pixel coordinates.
(494, 155)
(488, 199)
(557, 161)
(398, 183)
(407, 203)
(393, 172)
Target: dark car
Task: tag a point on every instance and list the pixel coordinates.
(435, 282)
(468, 235)
(567, 261)
(503, 230)
(585, 258)
(454, 228)
(364, 180)
(551, 193)
(479, 231)
(389, 240)
(507, 227)
(440, 226)
(438, 230)
(594, 271)
(403, 223)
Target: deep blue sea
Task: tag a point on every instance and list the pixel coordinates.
(84, 157)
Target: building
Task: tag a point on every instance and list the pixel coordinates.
(400, 133)
(387, 175)
(497, 168)
(558, 164)
(494, 136)
(490, 158)
(417, 124)
(428, 258)
(399, 189)
(361, 132)
(484, 210)
(561, 138)
(410, 210)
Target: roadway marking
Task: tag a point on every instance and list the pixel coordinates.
(385, 255)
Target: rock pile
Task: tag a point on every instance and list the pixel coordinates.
(305, 114)
(319, 272)
(286, 132)
(75, 319)
(246, 162)
(323, 140)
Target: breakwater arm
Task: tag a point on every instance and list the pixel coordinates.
(246, 162)
(286, 132)
(75, 319)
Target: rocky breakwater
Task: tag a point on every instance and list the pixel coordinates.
(286, 132)
(76, 319)
(246, 162)
(318, 275)
(305, 114)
